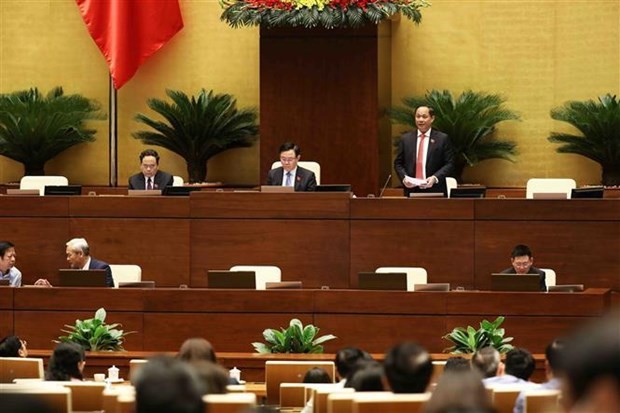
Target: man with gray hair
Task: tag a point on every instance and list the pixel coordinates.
(78, 257)
(487, 361)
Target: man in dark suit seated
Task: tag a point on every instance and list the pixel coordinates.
(424, 158)
(78, 257)
(150, 176)
(522, 260)
(290, 174)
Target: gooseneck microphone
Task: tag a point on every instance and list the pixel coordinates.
(387, 181)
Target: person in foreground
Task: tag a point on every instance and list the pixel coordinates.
(459, 391)
(67, 363)
(13, 346)
(168, 385)
(424, 158)
(408, 368)
(8, 271)
(79, 258)
(150, 177)
(291, 174)
(522, 260)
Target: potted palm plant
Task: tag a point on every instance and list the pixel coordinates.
(198, 127)
(470, 121)
(34, 128)
(599, 124)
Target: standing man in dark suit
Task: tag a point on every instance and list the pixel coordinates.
(290, 174)
(522, 260)
(424, 154)
(150, 176)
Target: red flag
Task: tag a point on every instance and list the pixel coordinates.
(129, 31)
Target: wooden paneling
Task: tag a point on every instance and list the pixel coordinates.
(548, 210)
(226, 331)
(270, 205)
(6, 323)
(34, 206)
(232, 301)
(339, 69)
(40, 328)
(158, 246)
(313, 251)
(580, 252)
(412, 209)
(79, 299)
(129, 207)
(443, 248)
(380, 302)
(378, 333)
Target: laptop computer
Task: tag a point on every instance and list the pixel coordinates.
(426, 195)
(591, 192)
(143, 192)
(515, 282)
(468, 192)
(383, 281)
(81, 278)
(283, 285)
(333, 188)
(277, 188)
(432, 287)
(565, 288)
(5, 282)
(231, 279)
(136, 284)
(549, 195)
(63, 190)
(179, 190)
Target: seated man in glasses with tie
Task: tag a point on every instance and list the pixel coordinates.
(424, 158)
(290, 174)
(150, 176)
(522, 260)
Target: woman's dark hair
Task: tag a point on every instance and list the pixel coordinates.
(194, 349)
(368, 376)
(10, 346)
(65, 362)
(212, 377)
(317, 375)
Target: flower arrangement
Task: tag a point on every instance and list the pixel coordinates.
(317, 13)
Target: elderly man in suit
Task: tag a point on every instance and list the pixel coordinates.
(424, 154)
(150, 177)
(78, 257)
(291, 174)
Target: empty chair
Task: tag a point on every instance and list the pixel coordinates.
(229, 403)
(57, 398)
(86, 396)
(292, 395)
(125, 273)
(39, 182)
(415, 275)
(264, 274)
(177, 180)
(549, 185)
(504, 397)
(320, 395)
(278, 372)
(450, 184)
(309, 165)
(549, 276)
(134, 366)
(542, 400)
(20, 368)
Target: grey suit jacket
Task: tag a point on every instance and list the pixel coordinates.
(439, 159)
(304, 179)
(160, 181)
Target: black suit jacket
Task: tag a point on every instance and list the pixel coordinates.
(533, 270)
(160, 181)
(100, 265)
(439, 159)
(304, 179)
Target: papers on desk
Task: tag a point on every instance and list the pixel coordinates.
(415, 181)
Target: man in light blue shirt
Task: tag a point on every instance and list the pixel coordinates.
(519, 366)
(7, 264)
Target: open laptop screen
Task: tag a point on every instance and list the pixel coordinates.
(383, 281)
(82, 278)
(63, 190)
(515, 282)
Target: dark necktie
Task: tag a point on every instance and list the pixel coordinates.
(149, 183)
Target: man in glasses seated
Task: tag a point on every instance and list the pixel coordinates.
(291, 174)
(522, 260)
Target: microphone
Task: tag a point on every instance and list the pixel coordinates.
(387, 181)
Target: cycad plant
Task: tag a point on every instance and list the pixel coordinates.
(198, 127)
(469, 120)
(34, 128)
(599, 124)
